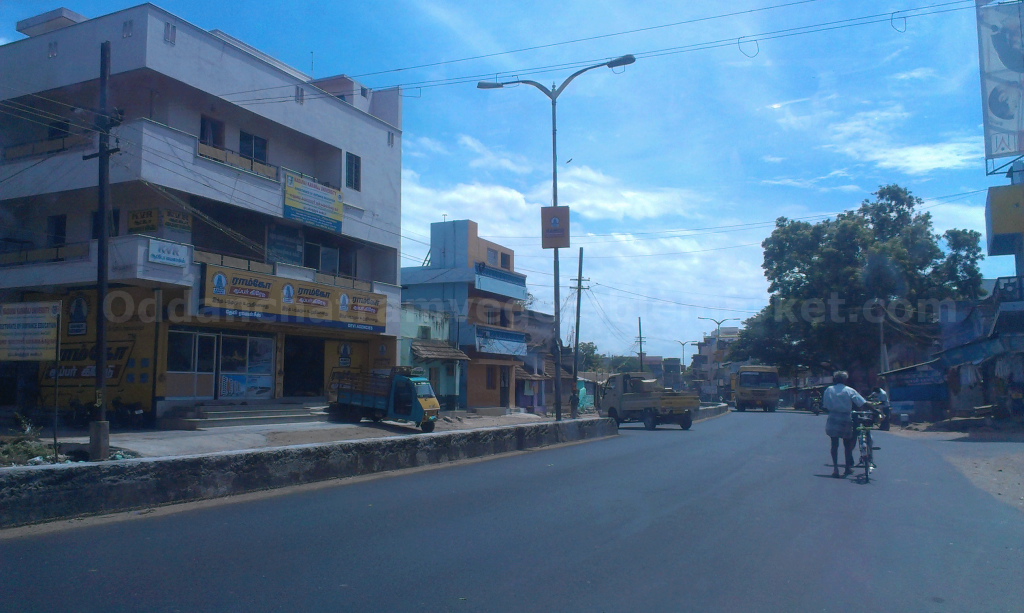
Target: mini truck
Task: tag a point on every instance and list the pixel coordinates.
(631, 397)
(397, 396)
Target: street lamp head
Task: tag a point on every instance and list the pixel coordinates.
(625, 60)
(488, 85)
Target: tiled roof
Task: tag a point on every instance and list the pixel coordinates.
(436, 350)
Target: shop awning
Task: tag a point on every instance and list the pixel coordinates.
(436, 350)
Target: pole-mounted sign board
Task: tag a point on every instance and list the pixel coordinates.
(554, 227)
(29, 331)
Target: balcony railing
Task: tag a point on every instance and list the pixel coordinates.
(43, 147)
(63, 253)
(232, 158)
(217, 259)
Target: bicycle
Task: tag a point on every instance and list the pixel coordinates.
(863, 421)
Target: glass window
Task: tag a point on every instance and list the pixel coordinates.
(56, 230)
(115, 223)
(328, 260)
(206, 353)
(252, 147)
(180, 351)
(506, 261)
(423, 390)
(311, 256)
(353, 172)
(234, 351)
(261, 356)
(492, 257)
(211, 132)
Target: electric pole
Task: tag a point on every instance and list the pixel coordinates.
(99, 430)
(640, 339)
(576, 351)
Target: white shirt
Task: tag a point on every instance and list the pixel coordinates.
(841, 399)
(883, 397)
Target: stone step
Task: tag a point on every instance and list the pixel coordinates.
(260, 412)
(287, 418)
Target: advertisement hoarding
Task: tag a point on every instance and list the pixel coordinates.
(554, 222)
(313, 204)
(238, 293)
(28, 331)
(1001, 55)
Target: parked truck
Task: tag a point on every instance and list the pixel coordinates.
(396, 396)
(756, 387)
(635, 397)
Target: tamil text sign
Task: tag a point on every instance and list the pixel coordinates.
(313, 204)
(28, 331)
(1001, 54)
(164, 252)
(247, 295)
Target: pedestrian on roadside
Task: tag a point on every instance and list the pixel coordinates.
(574, 404)
(840, 400)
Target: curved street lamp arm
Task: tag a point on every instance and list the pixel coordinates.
(547, 92)
(561, 87)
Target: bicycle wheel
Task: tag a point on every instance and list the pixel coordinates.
(865, 455)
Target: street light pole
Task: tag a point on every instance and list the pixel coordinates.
(553, 94)
(718, 340)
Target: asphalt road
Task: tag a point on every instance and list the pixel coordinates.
(738, 514)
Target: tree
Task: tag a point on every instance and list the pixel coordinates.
(589, 358)
(825, 277)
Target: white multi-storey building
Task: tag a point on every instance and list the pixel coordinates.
(255, 219)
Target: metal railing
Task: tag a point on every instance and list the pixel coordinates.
(43, 147)
(233, 158)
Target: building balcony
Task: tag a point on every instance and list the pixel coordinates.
(491, 339)
(1008, 289)
(237, 160)
(133, 260)
(48, 147)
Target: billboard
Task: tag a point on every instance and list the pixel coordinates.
(554, 221)
(238, 293)
(1001, 54)
(313, 204)
(28, 331)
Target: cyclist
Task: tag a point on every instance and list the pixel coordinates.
(839, 400)
(881, 400)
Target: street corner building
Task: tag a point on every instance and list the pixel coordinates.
(253, 248)
(474, 281)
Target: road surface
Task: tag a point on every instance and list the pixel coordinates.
(738, 514)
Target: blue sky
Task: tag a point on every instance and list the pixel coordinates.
(810, 125)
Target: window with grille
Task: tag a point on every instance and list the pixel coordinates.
(170, 32)
(353, 172)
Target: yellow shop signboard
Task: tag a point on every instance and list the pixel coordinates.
(243, 295)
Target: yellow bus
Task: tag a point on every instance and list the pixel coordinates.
(756, 386)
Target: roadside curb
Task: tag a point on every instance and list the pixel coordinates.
(33, 494)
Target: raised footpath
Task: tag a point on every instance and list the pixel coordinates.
(33, 494)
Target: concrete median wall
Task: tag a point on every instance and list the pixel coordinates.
(707, 412)
(34, 494)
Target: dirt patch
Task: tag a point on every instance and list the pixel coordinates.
(992, 469)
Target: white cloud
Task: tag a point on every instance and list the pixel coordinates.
(867, 137)
(918, 74)
(422, 146)
(725, 279)
(816, 182)
(596, 196)
(772, 159)
(488, 159)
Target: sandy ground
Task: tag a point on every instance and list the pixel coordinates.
(162, 443)
(992, 458)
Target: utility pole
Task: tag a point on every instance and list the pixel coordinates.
(576, 351)
(99, 430)
(640, 339)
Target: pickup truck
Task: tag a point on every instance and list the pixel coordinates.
(634, 397)
(396, 396)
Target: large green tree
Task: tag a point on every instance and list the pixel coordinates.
(826, 278)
